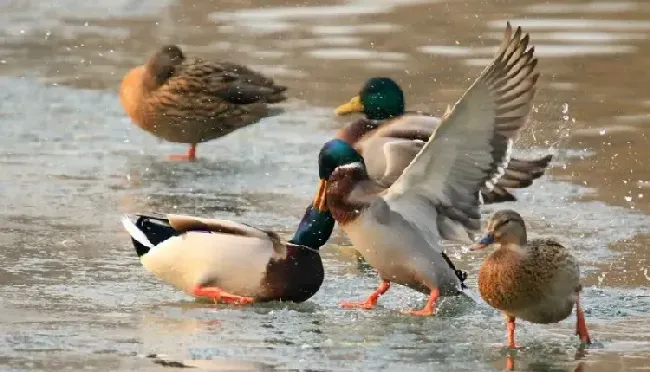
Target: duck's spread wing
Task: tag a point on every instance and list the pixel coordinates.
(399, 154)
(471, 148)
(419, 128)
(391, 147)
(519, 174)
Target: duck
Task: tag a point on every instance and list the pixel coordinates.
(190, 100)
(230, 262)
(388, 137)
(535, 280)
(437, 197)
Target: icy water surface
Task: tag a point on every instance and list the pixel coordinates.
(74, 296)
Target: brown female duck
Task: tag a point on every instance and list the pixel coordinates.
(535, 280)
(189, 100)
(388, 138)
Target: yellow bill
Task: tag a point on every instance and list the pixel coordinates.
(354, 105)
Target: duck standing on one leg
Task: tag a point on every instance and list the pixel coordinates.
(388, 138)
(535, 280)
(191, 101)
(398, 230)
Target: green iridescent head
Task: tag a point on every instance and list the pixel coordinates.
(317, 224)
(334, 154)
(380, 98)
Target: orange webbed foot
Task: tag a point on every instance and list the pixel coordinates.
(366, 305)
(370, 302)
(422, 312)
(181, 157)
(428, 309)
(220, 296)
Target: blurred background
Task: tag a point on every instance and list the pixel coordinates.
(73, 294)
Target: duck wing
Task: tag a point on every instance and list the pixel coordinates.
(149, 231)
(391, 147)
(471, 148)
(203, 81)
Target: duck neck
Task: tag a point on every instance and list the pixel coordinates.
(354, 131)
(516, 237)
(347, 198)
(314, 229)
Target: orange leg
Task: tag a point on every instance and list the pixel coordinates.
(370, 302)
(510, 321)
(221, 296)
(581, 325)
(430, 307)
(190, 156)
(510, 363)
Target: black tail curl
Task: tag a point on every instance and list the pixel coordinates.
(461, 275)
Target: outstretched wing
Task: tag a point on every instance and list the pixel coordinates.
(471, 148)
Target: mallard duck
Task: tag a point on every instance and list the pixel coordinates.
(388, 138)
(230, 262)
(534, 280)
(191, 101)
(393, 229)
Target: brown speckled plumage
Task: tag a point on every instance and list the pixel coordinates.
(535, 280)
(190, 100)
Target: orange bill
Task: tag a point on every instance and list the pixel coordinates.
(319, 200)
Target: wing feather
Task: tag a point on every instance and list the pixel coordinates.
(471, 148)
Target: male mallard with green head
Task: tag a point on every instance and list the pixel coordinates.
(534, 280)
(231, 262)
(189, 100)
(470, 150)
(388, 138)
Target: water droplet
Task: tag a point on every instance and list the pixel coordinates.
(565, 108)
(602, 132)
(628, 198)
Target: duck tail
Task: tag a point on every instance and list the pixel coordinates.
(147, 231)
(462, 276)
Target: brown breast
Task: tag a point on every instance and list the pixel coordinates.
(295, 277)
(504, 281)
(131, 95)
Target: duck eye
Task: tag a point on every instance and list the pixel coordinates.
(501, 224)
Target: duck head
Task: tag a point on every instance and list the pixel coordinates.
(504, 227)
(341, 167)
(380, 98)
(161, 66)
(317, 224)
